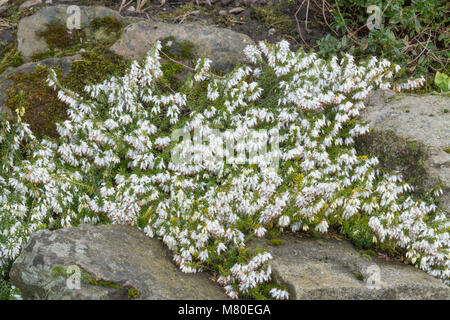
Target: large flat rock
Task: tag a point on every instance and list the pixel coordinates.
(333, 269)
(28, 29)
(223, 46)
(411, 133)
(119, 255)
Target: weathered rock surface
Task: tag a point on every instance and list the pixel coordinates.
(411, 133)
(29, 4)
(29, 43)
(334, 269)
(6, 37)
(224, 47)
(5, 77)
(115, 254)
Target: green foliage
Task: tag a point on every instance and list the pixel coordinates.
(413, 33)
(5, 289)
(442, 81)
(359, 231)
(223, 261)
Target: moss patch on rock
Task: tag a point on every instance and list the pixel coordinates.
(86, 278)
(106, 30)
(42, 107)
(97, 38)
(272, 16)
(93, 68)
(10, 58)
(58, 36)
(396, 153)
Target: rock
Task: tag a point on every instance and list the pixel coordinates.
(272, 31)
(29, 43)
(6, 37)
(223, 12)
(29, 4)
(411, 133)
(112, 259)
(223, 46)
(225, 2)
(236, 10)
(333, 269)
(5, 77)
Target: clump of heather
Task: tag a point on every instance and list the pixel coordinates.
(136, 154)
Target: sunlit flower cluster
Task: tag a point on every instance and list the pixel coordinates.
(112, 162)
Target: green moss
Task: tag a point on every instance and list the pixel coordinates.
(62, 271)
(58, 36)
(272, 16)
(183, 13)
(11, 58)
(359, 276)
(42, 107)
(366, 256)
(93, 68)
(58, 271)
(106, 284)
(179, 53)
(133, 294)
(396, 153)
(276, 242)
(447, 150)
(178, 50)
(368, 252)
(96, 38)
(109, 23)
(106, 30)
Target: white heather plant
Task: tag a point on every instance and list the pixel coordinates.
(112, 163)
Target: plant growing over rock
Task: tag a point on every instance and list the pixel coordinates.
(292, 119)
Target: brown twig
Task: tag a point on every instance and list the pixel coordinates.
(298, 24)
